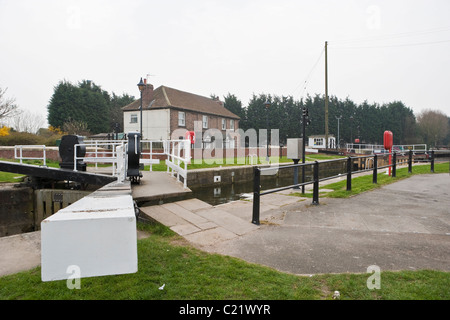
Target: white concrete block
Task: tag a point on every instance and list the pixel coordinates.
(97, 234)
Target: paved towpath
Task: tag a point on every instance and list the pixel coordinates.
(401, 226)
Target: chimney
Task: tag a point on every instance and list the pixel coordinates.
(216, 99)
(147, 94)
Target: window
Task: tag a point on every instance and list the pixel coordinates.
(205, 122)
(224, 124)
(134, 118)
(232, 124)
(318, 141)
(181, 119)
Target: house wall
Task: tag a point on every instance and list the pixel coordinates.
(331, 142)
(214, 122)
(163, 122)
(156, 125)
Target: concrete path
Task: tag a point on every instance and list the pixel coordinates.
(20, 252)
(401, 226)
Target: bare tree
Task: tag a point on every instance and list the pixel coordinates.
(8, 107)
(76, 127)
(27, 121)
(433, 126)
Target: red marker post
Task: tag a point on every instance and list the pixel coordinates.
(388, 143)
(190, 135)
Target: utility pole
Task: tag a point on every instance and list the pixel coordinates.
(338, 144)
(326, 94)
(305, 122)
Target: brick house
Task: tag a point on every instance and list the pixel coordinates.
(165, 110)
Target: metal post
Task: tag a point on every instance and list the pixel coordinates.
(394, 165)
(256, 195)
(296, 174)
(142, 137)
(432, 161)
(410, 162)
(303, 147)
(316, 184)
(349, 174)
(375, 168)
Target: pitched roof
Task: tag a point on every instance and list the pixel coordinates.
(165, 97)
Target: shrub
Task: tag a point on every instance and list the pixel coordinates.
(4, 131)
(21, 138)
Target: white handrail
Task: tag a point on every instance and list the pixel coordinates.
(173, 160)
(21, 157)
(376, 147)
(171, 149)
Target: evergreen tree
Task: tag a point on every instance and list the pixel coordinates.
(86, 103)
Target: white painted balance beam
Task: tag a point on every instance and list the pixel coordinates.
(95, 235)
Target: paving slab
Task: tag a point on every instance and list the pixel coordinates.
(164, 216)
(227, 220)
(185, 229)
(184, 213)
(193, 204)
(211, 237)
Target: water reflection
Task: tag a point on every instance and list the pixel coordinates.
(231, 192)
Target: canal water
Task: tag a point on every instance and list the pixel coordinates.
(236, 191)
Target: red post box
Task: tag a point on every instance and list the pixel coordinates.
(190, 135)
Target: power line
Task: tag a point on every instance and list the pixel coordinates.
(393, 45)
(309, 74)
(390, 36)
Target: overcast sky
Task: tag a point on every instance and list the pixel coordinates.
(379, 51)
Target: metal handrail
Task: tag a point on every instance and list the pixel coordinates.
(257, 193)
(21, 157)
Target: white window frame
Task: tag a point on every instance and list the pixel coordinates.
(232, 124)
(181, 119)
(224, 124)
(133, 118)
(318, 141)
(205, 122)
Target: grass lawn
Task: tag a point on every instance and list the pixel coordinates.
(214, 163)
(365, 183)
(191, 274)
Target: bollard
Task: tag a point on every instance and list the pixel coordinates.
(394, 168)
(375, 169)
(296, 174)
(316, 184)
(349, 174)
(432, 161)
(410, 161)
(256, 195)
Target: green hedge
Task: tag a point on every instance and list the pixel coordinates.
(24, 138)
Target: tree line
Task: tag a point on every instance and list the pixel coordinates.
(86, 107)
(366, 122)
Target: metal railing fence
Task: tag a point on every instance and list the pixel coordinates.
(423, 157)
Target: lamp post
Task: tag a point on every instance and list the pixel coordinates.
(267, 105)
(141, 86)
